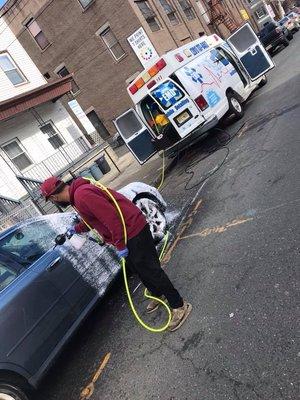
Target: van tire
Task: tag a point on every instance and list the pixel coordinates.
(235, 106)
(290, 36)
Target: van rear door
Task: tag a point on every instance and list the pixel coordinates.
(136, 135)
(177, 106)
(250, 51)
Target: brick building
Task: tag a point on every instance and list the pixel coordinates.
(88, 38)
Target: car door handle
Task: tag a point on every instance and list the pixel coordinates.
(53, 264)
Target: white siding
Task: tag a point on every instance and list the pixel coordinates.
(25, 128)
(9, 43)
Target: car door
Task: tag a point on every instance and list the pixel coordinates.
(136, 135)
(36, 307)
(250, 52)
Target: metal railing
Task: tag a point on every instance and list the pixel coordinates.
(65, 156)
(7, 204)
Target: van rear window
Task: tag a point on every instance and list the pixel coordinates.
(167, 94)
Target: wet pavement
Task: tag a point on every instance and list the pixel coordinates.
(234, 256)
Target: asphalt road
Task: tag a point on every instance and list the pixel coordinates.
(235, 260)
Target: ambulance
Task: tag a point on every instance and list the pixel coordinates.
(188, 90)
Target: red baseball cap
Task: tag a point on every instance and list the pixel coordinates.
(49, 186)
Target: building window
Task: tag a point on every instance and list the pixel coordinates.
(261, 12)
(37, 34)
(63, 71)
(17, 154)
(54, 137)
(187, 9)
(10, 69)
(112, 44)
(170, 11)
(148, 14)
(85, 3)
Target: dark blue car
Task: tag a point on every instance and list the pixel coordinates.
(45, 293)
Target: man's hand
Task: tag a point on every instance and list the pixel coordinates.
(122, 253)
(70, 232)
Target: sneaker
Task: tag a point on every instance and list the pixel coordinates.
(154, 304)
(179, 315)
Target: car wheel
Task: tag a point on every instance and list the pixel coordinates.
(235, 106)
(286, 43)
(290, 36)
(155, 218)
(11, 392)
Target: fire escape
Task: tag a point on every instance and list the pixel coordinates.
(219, 15)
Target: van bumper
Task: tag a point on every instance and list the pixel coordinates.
(193, 137)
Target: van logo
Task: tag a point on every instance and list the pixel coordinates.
(196, 76)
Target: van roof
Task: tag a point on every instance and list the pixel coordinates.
(168, 63)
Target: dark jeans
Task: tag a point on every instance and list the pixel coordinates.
(144, 261)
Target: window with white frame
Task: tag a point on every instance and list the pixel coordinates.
(148, 14)
(170, 11)
(187, 9)
(37, 34)
(85, 3)
(17, 154)
(54, 137)
(112, 44)
(261, 12)
(10, 69)
(63, 71)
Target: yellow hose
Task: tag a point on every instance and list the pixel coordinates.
(123, 263)
(162, 172)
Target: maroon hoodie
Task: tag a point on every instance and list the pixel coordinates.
(98, 211)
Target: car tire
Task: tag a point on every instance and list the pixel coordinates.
(286, 43)
(263, 82)
(155, 217)
(235, 106)
(290, 36)
(10, 391)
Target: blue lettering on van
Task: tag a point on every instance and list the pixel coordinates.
(213, 98)
(234, 71)
(198, 48)
(170, 112)
(181, 103)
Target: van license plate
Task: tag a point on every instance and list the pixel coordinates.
(183, 117)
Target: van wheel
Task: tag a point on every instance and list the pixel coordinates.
(235, 106)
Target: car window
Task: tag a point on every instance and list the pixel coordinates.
(29, 242)
(267, 29)
(7, 275)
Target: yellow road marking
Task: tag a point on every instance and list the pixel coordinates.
(88, 391)
(217, 229)
(182, 229)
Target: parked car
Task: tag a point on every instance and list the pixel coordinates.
(291, 24)
(46, 292)
(294, 16)
(273, 35)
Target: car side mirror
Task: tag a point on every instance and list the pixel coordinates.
(19, 235)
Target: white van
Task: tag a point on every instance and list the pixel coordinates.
(188, 90)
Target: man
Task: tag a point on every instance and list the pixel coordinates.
(98, 211)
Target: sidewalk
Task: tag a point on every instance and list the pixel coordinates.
(132, 171)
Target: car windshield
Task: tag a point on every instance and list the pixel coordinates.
(283, 20)
(29, 242)
(267, 29)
